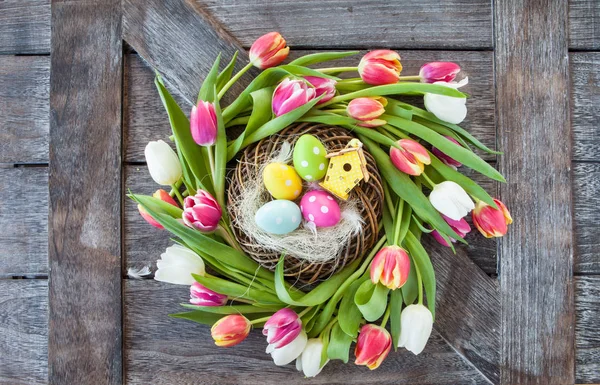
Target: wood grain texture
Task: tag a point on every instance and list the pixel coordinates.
(585, 99)
(179, 40)
(23, 331)
(84, 344)
(584, 24)
(24, 85)
(163, 350)
(587, 305)
(367, 24)
(536, 256)
(23, 221)
(586, 200)
(24, 26)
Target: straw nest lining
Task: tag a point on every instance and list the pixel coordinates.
(366, 200)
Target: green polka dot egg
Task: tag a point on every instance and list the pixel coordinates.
(310, 159)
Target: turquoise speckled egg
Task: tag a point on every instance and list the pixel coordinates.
(278, 217)
(309, 158)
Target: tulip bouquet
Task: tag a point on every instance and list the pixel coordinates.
(418, 152)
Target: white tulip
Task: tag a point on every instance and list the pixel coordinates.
(177, 264)
(163, 163)
(288, 353)
(447, 108)
(416, 323)
(310, 360)
(451, 200)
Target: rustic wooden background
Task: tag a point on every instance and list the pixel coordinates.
(78, 104)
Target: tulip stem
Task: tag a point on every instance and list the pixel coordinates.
(224, 233)
(177, 193)
(408, 78)
(336, 69)
(306, 310)
(398, 222)
(259, 320)
(386, 316)
(419, 284)
(431, 184)
(234, 79)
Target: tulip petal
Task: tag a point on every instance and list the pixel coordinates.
(289, 352)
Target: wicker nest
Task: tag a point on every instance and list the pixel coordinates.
(369, 194)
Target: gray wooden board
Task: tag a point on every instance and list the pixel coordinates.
(585, 99)
(23, 221)
(587, 306)
(536, 256)
(586, 200)
(24, 84)
(23, 331)
(84, 338)
(584, 24)
(24, 26)
(367, 23)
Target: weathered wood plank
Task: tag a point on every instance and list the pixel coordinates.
(586, 200)
(367, 24)
(23, 221)
(23, 331)
(24, 26)
(24, 84)
(587, 304)
(585, 99)
(163, 350)
(536, 257)
(85, 194)
(584, 24)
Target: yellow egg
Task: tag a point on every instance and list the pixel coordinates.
(282, 181)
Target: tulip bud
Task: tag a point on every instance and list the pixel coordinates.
(230, 330)
(438, 71)
(460, 227)
(451, 200)
(367, 110)
(372, 346)
(323, 86)
(282, 328)
(380, 67)
(291, 94)
(416, 323)
(163, 163)
(177, 264)
(445, 158)
(268, 50)
(447, 108)
(203, 296)
(411, 159)
(203, 123)
(309, 361)
(201, 211)
(491, 222)
(390, 266)
(163, 196)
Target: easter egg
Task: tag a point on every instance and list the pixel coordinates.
(320, 208)
(282, 181)
(310, 158)
(278, 217)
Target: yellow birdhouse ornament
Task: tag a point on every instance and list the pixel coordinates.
(347, 168)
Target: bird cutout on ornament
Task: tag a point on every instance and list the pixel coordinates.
(347, 168)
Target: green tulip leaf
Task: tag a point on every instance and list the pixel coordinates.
(349, 316)
(305, 71)
(234, 290)
(423, 263)
(339, 344)
(220, 155)
(371, 300)
(233, 309)
(410, 290)
(315, 58)
(261, 114)
(207, 90)
(225, 75)
(160, 206)
(395, 311)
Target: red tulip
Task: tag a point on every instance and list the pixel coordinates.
(411, 159)
(367, 110)
(203, 123)
(323, 86)
(163, 196)
(489, 221)
(291, 94)
(438, 71)
(203, 296)
(460, 227)
(445, 158)
(390, 266)
(380, 67)
(230, 330)
(372, 347)
(201, 211)
(268, 50)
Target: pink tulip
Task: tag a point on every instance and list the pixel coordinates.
(445, 158)
(203, 123)
(390, 266)
(203, 296)
(201, 211)
(373, 345)
(268, 50)
(282, 328)
(460, 227)
(163, 196)
(438, 71)
(291, 94)
(230, 330)
(380, 67)
(323, 86)
(411, 159)
(489, 221)
(367, 110)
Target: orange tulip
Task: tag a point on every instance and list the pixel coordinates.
(411, 159)
(380, 67)
(163, 196)
(390, 266)
(489, 221)
(230, 330)
(268, 50)
(367, 110)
